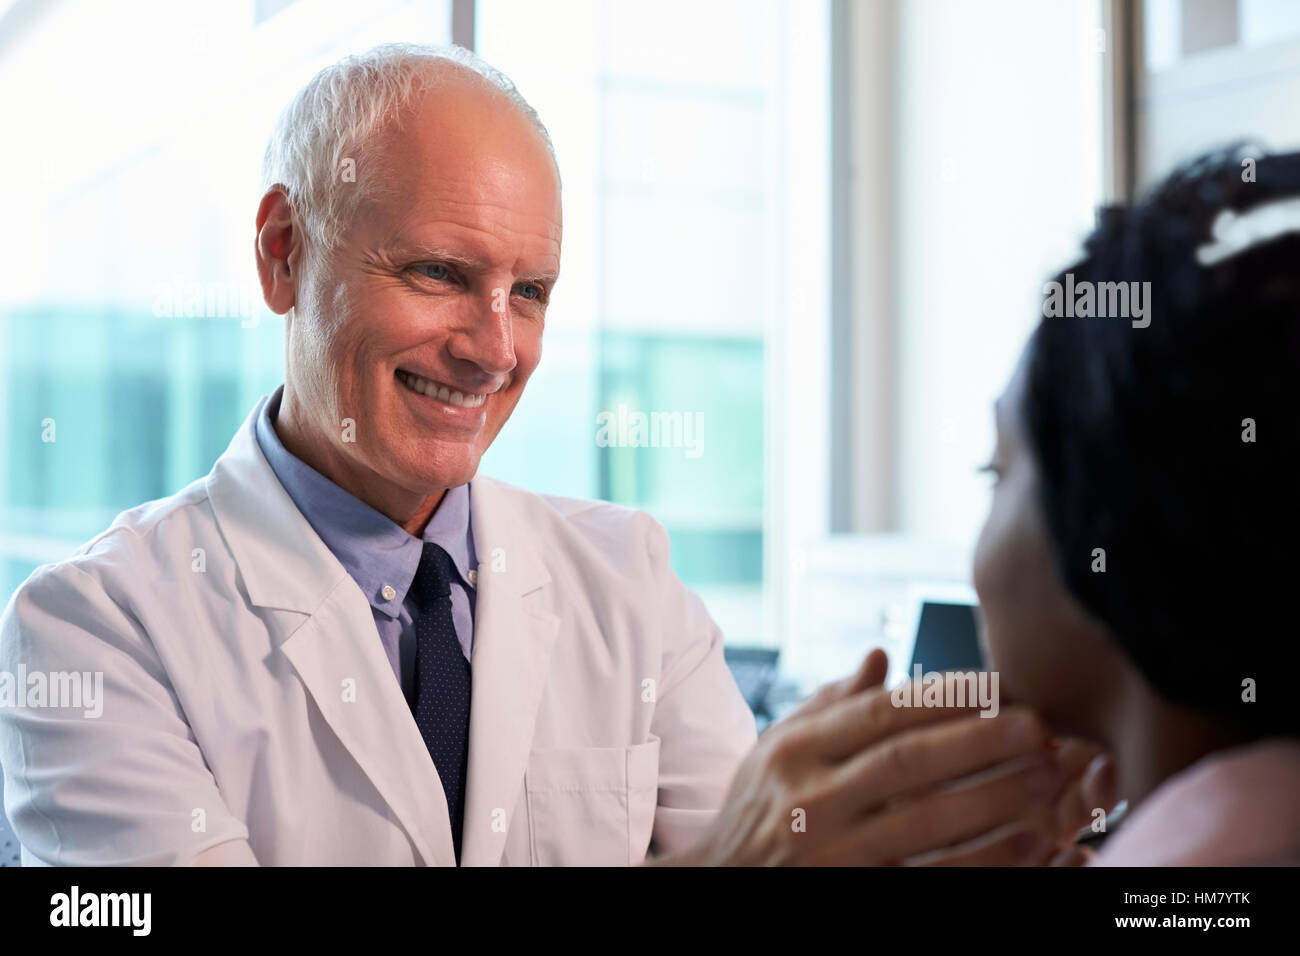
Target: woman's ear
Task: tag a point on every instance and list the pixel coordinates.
(277, 246)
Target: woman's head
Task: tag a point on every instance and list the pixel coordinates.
(1145, 525)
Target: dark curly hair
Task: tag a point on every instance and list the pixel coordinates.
(1139, 434)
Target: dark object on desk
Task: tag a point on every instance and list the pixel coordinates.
(947, 638)
(754, 669)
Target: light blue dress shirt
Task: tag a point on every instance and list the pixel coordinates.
(377, 552)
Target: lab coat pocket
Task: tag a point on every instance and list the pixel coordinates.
(592, 806)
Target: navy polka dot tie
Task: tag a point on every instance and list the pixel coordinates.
(442, 678)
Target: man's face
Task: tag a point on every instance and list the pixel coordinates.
(426, 323)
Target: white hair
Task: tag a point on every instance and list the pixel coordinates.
(336, 116)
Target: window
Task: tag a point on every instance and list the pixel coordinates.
(1212, 72)
(133, 338)
(692, 139)
(693, 142)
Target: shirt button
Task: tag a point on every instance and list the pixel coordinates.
(473, 577)
(388, 592)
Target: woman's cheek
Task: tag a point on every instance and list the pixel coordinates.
(995, 559)
(988, 574)
(1009, 571)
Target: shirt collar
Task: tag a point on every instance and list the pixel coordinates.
(376, 551)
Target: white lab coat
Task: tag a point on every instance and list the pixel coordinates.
(247, 696)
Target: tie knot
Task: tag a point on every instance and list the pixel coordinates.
(433, 577)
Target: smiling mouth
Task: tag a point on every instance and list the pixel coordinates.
(442, 393)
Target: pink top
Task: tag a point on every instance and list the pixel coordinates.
(1237, 807)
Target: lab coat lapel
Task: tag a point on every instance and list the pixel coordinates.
(513, 638)
(338, 656)
(329, 639)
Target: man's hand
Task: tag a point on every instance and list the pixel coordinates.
(851, 779)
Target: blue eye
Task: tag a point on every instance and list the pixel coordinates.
(434, 270)
(531, 291)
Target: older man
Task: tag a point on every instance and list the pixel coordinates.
(344, 645)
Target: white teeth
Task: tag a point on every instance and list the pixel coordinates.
(441, 392)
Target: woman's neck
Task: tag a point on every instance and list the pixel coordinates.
(1152, 739)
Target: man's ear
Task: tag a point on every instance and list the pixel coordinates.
(278, 249)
